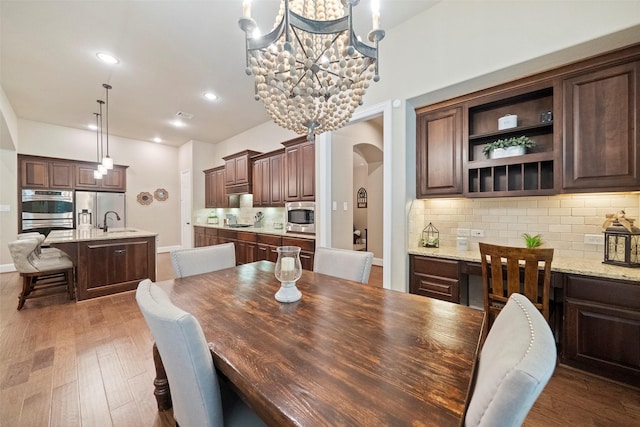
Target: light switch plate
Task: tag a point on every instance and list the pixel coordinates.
(594, 239)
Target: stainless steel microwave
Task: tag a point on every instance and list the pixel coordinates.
(301, 217)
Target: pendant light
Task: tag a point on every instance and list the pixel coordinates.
(107, 161)
(96, 173)
(101, 168)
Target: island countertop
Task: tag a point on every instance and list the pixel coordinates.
(93, 234)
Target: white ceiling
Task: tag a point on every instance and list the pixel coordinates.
(170, 52)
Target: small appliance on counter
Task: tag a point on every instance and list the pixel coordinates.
(84, 219)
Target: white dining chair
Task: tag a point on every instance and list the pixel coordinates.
(195, 391)
(189, 262)
(40, 251)
(515, 364)
(343, 263)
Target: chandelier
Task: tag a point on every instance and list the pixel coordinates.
(311, 71)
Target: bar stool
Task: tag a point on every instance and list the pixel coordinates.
(40, 251)
(41, 276)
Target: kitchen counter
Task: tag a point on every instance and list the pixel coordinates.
(107, 263)
(559, 264)
(261, 230)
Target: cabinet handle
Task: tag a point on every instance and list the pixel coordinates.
(120, 251)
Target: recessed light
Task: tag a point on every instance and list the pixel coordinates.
(178, 123)
(210, 96)
(156, 139)
(105, 57)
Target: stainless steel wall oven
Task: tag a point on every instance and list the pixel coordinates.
(46, 210)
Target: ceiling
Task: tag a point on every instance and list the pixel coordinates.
(170, 53)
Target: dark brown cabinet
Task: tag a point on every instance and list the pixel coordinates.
(434, 277)
(601, 128)
(307, 250)
(245, 247)
(105, 267)
(115, 180)
(215, 195)
(439, 152)
(299, 170)
(268, 176)
(238, 172)
(602, 327)
(267, 246)
(37, 172)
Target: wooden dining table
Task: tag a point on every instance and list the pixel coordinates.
(346, 354)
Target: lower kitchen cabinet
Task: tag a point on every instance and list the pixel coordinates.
(434, 277)
(267, 247)
(245, 247)
(106, 267)
(307, 250)
(602, 327)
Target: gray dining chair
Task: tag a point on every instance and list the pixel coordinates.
(198, 400)
(41, 276)
(40, 251)
(343, 263)
(515, 364)
(189, 262)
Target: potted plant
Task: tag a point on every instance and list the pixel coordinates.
(532, 241)
(514, 146)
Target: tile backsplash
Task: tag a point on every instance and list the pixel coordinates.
(562, 220)
(245, 213)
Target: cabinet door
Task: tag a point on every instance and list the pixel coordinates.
(222, 201)
(210, 190)
(299, 172)
(84, 177)
(261, 184)
(34, 174)
(115, 180)
(276, 171)
(434, 278)
(199, 236)
(439, 153)
(307, 182)
(242, 169)
(61, 175)
(230, 172)
(601, 126)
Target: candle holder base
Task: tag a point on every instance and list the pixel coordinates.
(288, 292)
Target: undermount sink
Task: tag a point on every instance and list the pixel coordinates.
(121, 230)
(240, 225)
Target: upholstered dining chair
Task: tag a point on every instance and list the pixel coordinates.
(189, 262)
(343, 263)
(528, 272)
(41, 276)
(40, 251)
(193, 381)
(515, 364)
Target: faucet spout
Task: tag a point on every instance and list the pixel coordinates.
(105, 218)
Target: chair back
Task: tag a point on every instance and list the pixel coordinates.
(343, 263)
(528, 272)
(189, 262)
(195, 392)
(515, 364)
(23, 254)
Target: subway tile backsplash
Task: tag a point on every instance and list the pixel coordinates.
(562, 220)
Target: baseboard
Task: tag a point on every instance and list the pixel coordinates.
(7, 268)
(377, 261)
(163, 249)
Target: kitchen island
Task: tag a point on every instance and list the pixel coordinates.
(107, 262)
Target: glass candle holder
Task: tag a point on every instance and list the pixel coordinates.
(288, 270)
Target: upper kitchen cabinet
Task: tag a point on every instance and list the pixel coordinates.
(115, 180)
(533, 173)
(39, 172)
(238, 172)
(299, 170)
(601, 126)
(439, 152)
(215, 195)
(268, 177)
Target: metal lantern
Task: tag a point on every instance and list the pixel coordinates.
(430, 237)
(621, 246)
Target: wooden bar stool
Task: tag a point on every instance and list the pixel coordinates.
(41, 276)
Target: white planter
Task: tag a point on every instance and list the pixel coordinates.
(499, 153)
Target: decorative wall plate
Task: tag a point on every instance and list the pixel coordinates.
(161, 194)
(145, 198)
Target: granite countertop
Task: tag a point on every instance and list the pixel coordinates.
(80, 235)
(261, 230)
(559, 264)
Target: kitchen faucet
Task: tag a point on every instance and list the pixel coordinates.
(105, 219)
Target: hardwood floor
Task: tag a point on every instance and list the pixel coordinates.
(89, 364)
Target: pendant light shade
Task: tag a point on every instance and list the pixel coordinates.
(107, 161)
(97, 174)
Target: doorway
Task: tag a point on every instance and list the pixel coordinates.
(185, 209)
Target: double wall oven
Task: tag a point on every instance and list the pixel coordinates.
(46, 210)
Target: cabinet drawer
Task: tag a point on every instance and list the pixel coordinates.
(436, 287)
(269, 239)
(603, 291)
(305, 244)
(213, 232)
(246, 236)
(440, 267)
(228, 234)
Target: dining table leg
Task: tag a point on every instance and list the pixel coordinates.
(161, 384)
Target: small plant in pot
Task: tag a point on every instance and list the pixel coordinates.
(514, 146)
(532, 241)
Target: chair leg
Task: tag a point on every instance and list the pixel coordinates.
(26, 289)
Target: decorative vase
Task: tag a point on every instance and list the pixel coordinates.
(499, 153)
(288, 270)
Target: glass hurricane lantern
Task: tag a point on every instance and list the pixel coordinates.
(288, 270)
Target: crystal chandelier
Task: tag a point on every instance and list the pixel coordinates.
(311, 71)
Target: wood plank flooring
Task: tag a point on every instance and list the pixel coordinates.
(89, 364)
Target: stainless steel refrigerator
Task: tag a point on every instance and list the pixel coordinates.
(96, 204)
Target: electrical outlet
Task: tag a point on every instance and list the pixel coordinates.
(463, 231)
(594, 239)
(477, 233)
